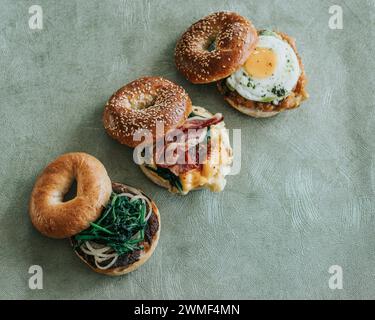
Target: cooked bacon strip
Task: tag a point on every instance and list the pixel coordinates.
(202, 123)
(189, 163)
(201, 153)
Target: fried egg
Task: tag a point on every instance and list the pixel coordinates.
(270, 73)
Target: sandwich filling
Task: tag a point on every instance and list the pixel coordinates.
(207, 157)
(270, 73)
(118, 237)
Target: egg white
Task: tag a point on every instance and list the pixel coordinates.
(280, 84)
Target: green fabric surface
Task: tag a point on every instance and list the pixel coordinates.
(303, 201)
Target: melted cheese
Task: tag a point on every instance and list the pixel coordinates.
(212, 175)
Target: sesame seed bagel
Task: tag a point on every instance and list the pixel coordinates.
(267, 109)
(142, 103)
(233, 38)
(58, 219)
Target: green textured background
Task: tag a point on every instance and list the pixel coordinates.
(304, 199)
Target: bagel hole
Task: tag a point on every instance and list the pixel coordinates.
(72, 192)
(211, 44)
(145, 101)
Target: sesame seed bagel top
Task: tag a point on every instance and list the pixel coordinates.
(215, 47)
(142, 103)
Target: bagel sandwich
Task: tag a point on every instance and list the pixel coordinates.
(272, 79)
(124, 237)
(140, 104)
(260, 73)
(113, 228)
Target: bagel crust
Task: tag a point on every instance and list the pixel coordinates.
(234, 38)
(267, 109)
(58, 219)
(142, 103)
(133, 260)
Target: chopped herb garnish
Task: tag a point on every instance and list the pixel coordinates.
(121, 226)
(251, 84)
(280, 92)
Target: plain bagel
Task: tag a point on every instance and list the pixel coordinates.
(140, 104)
(215, 46)
(58, 219)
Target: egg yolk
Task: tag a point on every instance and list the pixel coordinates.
(261, 63)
